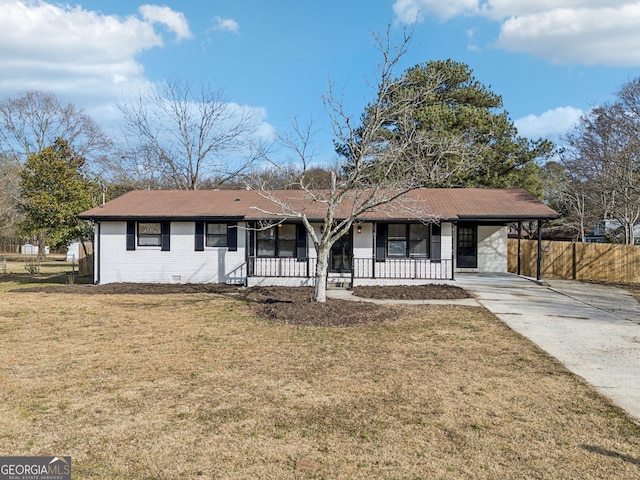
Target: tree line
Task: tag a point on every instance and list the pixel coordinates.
(596, 176)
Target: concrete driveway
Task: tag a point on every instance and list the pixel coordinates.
(593, 330)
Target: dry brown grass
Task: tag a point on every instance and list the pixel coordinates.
(194, 386)
(19, 270)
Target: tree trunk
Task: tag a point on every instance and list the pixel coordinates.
(41, 249)
(322, 267)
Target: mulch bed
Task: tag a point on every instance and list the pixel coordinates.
(413, 292)
(288, 305)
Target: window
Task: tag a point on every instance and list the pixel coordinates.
(397, 240)
(286, 240)
(407, 240)
(149, 234)
(216, 234)
(419, 240)
(266, 240)
(277, 241)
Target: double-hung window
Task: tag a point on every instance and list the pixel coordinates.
(397, 240)
(149, 234)
(216, 234)
(408, 240)
(418, 240)
(278, 241)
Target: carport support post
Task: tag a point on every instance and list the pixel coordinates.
(539, 259)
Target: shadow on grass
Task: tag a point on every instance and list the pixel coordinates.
(611, 453)
(56, 278)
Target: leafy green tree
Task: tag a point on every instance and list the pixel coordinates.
(446, 101)
(54, 191)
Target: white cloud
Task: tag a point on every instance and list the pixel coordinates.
(86, 57)
(410, 11)
(603, 36)
(225, 25)
(589, 32)
(174, 21)
(552, 124)
(471, 45)
(69, 50)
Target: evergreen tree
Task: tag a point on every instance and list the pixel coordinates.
(54, 191)
(446, 101)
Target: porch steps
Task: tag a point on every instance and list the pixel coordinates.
(338, 284)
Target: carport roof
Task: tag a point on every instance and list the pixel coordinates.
(449, 204)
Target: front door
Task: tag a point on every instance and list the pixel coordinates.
(341, 253)
(467, 246)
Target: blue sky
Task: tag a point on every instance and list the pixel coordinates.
(550, 60)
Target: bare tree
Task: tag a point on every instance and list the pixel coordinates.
(604, 155)
(9, 196)
(376, 171)
(28, 124)
(569, 194)
(185, 135)
(35, 120)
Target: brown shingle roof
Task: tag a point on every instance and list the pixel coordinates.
(446, 204)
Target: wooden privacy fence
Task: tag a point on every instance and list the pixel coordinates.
(577, 261)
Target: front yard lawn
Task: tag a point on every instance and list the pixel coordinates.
(166, 386)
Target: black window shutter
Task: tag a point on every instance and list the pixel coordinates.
(165, 229)
(199, 239)
(301, 242)
(381, 242)
(131, 235)
(436, 242)
(232, 237)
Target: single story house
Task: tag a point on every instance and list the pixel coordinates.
(249, 237)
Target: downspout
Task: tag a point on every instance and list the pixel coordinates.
(96, 264)
(539, 259)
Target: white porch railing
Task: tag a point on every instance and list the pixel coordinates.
(369, 268)
(281, 267)
(403, 268)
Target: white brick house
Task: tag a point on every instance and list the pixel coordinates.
(225, 236)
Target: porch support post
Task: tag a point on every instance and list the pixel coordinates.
(519, 238)
(539, 259)
(374, 228)
(453, 250)
(353, 272)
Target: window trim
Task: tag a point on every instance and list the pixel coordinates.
(201, 236)
(133, 235)
(406, 239)
(295, 241)
(140, 236)
(216, 235)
